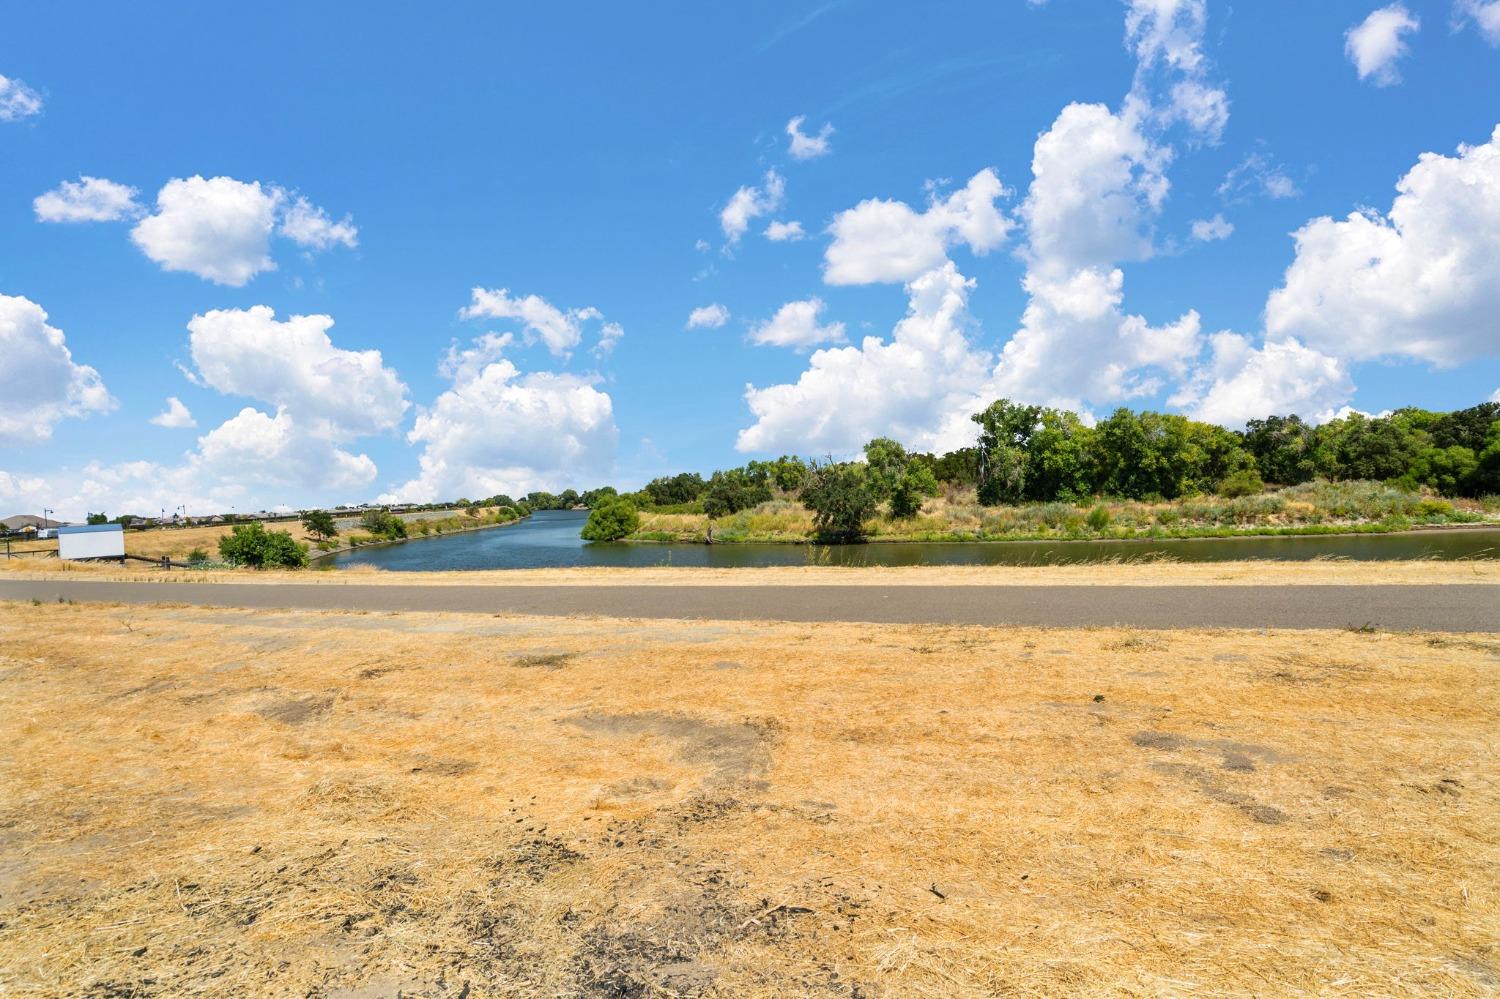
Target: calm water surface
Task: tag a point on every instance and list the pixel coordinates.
(550, 540)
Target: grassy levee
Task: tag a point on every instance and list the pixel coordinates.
(226, 803)
(1314, 508)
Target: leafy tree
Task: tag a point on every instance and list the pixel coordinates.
(594, 497)
(886, 462)
(611, 521)
(1380, 448)
(734, 490)
(1005, 429)
(567, 499)
(1465, 427)
(96, 518)
(252, 545)
(319, 522)
(841, 499)
(1448, 470)
(959, 467)
(500, 499)
(671, 490)
(1057, 458)
(915, 483)
(788, 473)
(1285, 448)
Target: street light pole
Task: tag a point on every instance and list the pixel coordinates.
(45, 522)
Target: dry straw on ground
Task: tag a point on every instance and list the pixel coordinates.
(226, 803)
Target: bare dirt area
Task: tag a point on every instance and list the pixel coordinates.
(229, 803)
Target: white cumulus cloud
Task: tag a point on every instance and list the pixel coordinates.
(1242, 382)
(1421, 281)
(499, 430)
(709, 317)
(305, 224)
(17, 100)
(785, 232)
(88, 199)
(795, 324)
(220, 228)
(255, 448)
(561, 330)
(1378, 42)
(888, 241)
(913, 387)
(176, 416)
(1211, 230)
(294, 365)
(807, 147)
(39, 382)
(750, 203)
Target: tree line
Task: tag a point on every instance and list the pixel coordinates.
(1042, 454)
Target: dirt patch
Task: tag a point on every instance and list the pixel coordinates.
(1214, 791)
(543, 660)
(731, 752)
(296, 710)
(1236, 756)
(431, 766)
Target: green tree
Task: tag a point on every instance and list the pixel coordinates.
(916, 483)
(319, 522)
(594, 497)
(252, 545)
(1285, 449)
(735, 489)
(672, 490)
(96, 518)
(611, 521)
(1057, 458)
(841, 499)
(1005, 429)
(959, 467)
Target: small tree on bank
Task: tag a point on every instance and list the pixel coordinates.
(320, 523)
(612, 520)
(841, 498)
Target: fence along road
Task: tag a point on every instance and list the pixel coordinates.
(1450, 608)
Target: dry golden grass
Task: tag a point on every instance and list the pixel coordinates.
(227, 803)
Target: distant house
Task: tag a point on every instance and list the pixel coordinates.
(26, 523)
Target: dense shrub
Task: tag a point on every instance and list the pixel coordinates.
(252, 545)
(611, 520)
(1245, 482)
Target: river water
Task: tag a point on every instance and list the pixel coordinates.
(549, 539)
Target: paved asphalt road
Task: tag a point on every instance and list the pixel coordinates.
(1427, 608)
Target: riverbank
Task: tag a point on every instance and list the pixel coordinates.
(224, 803)
(1320, 508)
(353, 545)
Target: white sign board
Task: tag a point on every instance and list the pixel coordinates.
(95, 541)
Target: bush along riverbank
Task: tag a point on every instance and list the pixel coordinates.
(957, 516)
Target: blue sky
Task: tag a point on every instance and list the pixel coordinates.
(601, 173)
